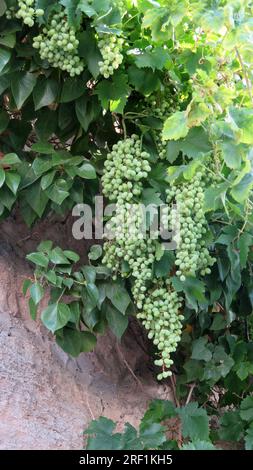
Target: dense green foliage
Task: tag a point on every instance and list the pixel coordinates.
(166, 427)
(155, 98)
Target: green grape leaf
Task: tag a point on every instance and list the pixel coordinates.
(195, 423)
(158, 411)
(175, 126)
(231, 426)
(246, 409)
(155, 58)
(200, 350)
(144, 80)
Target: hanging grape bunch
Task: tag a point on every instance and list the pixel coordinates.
(27, 12)
(110, 48)
(161, 317)
(125, 168)
(59, 46)
(192, 255)
(129, 246)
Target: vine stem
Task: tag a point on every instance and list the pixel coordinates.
(124, 128)
(190, 394)
(172, 380)
(245, 73)
(128, 366)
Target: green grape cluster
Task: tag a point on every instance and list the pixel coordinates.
(27, 11)
(163, 103)
(130, 247)
(192, 255)
(110, 48)
(125, 168)
(213, 166)
(59, 46)
(161, 316)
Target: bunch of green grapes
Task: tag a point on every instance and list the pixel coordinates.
(110, 48)
(59, 46)
(130, 247)
(213, 168)
(161, 316)
(125, 168)
(27, 11)
(192, 255)
(164, 102)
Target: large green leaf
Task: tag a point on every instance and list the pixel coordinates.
(246, 409)
(22, 85)
(5, 56)
(87, 110)
(195, 144)
(119, 296)
(89, 50)
(200, 350)
(55, 316)
(10, 159)
(231, 426)
(113, 93)
(154, 58)
(195, 423)
(45, 92)
(175, 126)
(241, 191)
(144, 80)
(39, 259)
(37, 292)
(12, 180)
(117, 322)
(72, 89)
(75, 342)
(86, 171)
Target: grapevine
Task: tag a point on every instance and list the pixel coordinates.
(125, 167)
